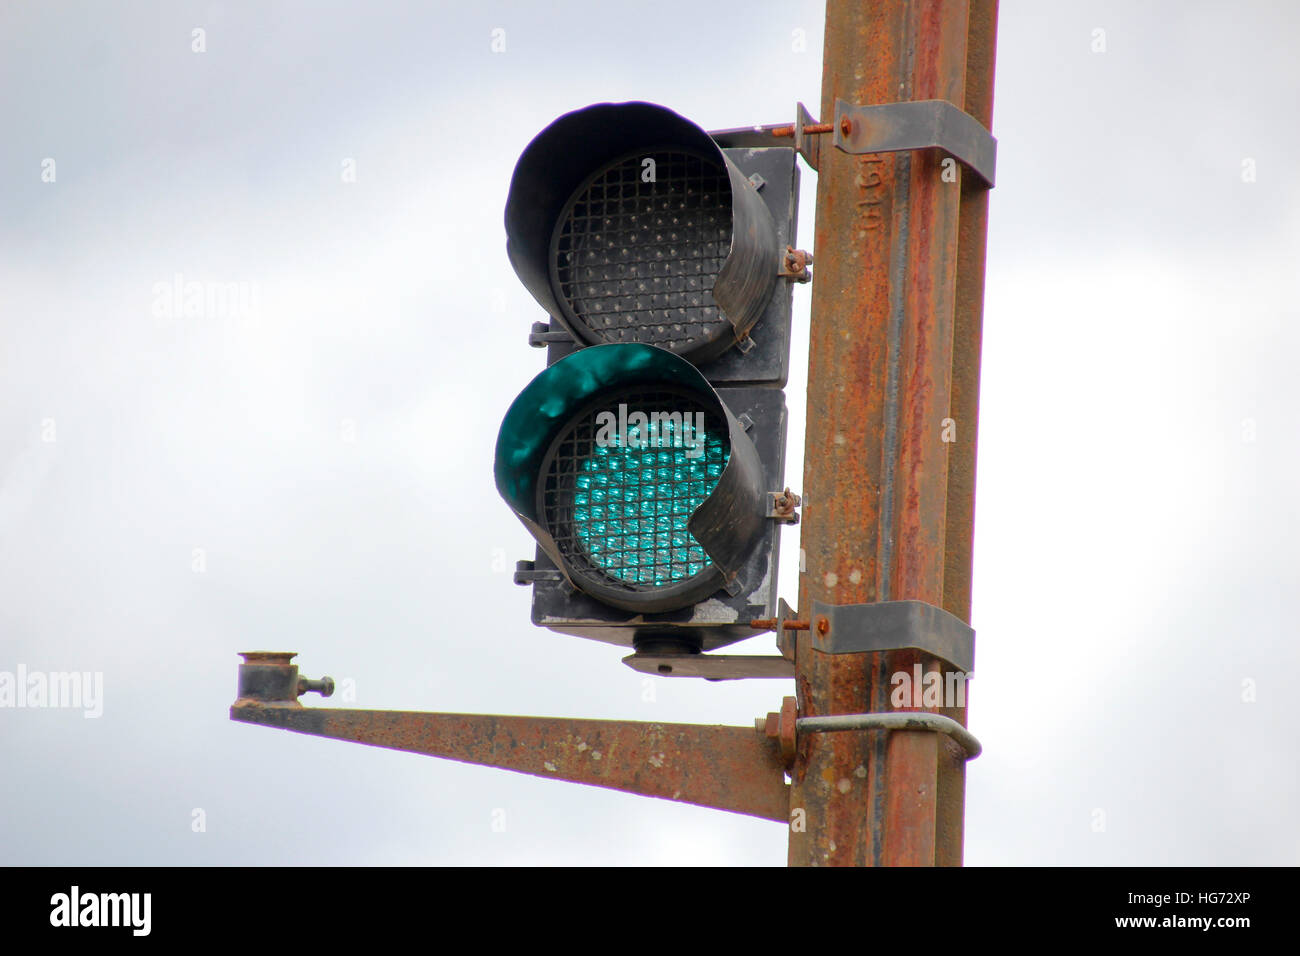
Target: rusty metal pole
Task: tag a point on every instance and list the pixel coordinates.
(888, 492)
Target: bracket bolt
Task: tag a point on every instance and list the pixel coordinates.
(794, 265)
(786, 502)
(324, 686)
(780, 727)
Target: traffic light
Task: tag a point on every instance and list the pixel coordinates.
(647, 459)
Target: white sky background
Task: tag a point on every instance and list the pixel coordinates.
(1134, 555)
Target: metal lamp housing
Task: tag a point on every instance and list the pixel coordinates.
(728, 523)
(627, 223)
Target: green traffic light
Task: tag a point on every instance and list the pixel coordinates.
(631, 503)
(636, 480)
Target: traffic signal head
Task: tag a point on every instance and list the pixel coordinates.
(644, 460)
(635, 478)
(628, 223)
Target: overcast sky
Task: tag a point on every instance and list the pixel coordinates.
(314, 472)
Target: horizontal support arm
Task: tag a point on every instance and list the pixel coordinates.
(726, 768)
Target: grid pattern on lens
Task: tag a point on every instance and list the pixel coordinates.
(618, 512)
(636, 260)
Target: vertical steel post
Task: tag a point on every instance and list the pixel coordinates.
(889, 495)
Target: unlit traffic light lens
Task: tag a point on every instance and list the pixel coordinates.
(638, 248)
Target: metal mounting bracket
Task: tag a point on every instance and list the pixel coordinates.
(785, 625)
(804, 132)
(894, 720)
(923, 124)
(893, 625)
(543, 334)
(882, 128)
(806, 145)
(782, 505)
(711, 666)
(526, 573)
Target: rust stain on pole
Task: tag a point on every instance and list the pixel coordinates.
(727, 768)
(890, 317)
(967, 339)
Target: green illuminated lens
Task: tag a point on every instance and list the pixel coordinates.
(631, 503)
